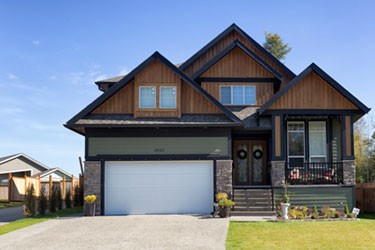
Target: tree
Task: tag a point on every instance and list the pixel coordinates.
(275, 45)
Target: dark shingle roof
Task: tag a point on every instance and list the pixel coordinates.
(113, 79)
(121, 119)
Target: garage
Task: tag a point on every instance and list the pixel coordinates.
(158, 187)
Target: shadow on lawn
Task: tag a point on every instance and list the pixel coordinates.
(368, 216)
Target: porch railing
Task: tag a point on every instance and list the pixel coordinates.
(314, 173)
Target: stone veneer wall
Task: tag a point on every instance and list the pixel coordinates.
(92, 182)
(224, 177)
(349, 172)
(277, 173)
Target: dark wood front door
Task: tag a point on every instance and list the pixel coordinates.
(249, 157)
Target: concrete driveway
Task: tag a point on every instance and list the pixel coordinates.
(121, 232)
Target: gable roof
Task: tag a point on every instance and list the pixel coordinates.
(124, 81)
(247, 51)
(314, 68)
(12, 157)
(231, 28)
(52, 170)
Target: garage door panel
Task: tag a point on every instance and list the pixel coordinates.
(158, 187)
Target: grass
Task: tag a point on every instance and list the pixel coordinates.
(18, 224)
(6, 204)
(303, 235)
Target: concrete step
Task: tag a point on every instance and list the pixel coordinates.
(253, 204)
(252, 208)
(253, 213)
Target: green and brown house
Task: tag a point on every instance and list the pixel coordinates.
(231, 118)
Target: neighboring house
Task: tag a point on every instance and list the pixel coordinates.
(232, 118)
(18, 165)
(57, 175)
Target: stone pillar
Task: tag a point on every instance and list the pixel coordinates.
(92, 182)
(277, 173)
(224, 177)
(349, 172)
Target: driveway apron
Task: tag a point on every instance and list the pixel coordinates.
(122, 232)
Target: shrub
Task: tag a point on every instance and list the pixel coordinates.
(298, 212)
(226, 203)
(346, 209)
(43, 202)
(29, 207)
(78, 196)
(53, 200)
(68, 200)
(59, 198)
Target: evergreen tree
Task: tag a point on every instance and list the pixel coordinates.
(275, 45)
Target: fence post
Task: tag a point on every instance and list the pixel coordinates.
(63, 188)
(50, 185)
(9, 186)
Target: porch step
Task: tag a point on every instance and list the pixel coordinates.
(253, 213)
(252, 202)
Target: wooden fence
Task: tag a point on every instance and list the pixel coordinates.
(365, 196)
(17, 186)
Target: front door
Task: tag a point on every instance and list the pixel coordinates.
(249, 157)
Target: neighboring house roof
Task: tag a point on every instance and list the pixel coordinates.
(123, 82)
(231, 28)
(236, 44)
(50, 171)
(12, 157)
(314, 68)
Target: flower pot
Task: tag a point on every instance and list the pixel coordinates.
(285, 210)
(89, 209)
(224, 212)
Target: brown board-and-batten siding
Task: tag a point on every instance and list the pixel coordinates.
(224, 43)
(313, 92)
(237, 64)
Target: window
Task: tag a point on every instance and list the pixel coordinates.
(147, 97)
(317, 141)
(238, 95)
(168, 97)
(296, 142)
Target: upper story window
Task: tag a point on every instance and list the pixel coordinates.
(168, 97)
(147, 97)
(238, 95)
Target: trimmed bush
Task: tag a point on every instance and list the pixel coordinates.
(68, 199)
(53, 200)
(29, 207)
(43, 201)
(78, 196)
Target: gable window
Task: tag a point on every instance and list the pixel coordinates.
(238, 95)
(168, 97)
(147, 97)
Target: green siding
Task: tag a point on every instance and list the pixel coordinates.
(319, 196)
(216, 146)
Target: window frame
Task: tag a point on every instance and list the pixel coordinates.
(140, 99)
(243, 94)
(175, 97)
(304, 140)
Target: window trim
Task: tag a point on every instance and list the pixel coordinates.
(139, 95)
(243, 95)
(175, 95)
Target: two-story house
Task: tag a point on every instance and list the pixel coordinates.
(232, 118)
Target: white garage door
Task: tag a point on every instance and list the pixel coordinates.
(158, 187)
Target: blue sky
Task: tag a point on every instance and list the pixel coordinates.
(52, 52)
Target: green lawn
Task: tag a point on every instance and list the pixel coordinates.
(303, 235)
(18, 224)
(5, 204)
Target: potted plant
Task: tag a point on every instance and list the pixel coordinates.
(225, 204)
(90, 205)
(285, 201)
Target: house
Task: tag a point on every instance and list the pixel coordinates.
(17, 165)
(231, 118)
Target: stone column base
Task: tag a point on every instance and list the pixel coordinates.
(277, 173)
(349, 172)
(92, 182)
(224, 183)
